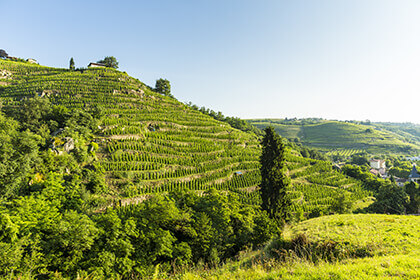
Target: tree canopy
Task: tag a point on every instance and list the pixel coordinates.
(3, 53)
(109, 61)
(163, 86)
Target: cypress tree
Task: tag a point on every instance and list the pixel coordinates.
(71, 64)
(275, 181)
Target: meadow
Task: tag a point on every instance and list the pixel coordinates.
(384, 246)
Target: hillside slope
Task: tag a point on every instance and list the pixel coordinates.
(147, 142)
(331, 135)
(150, 143)
(364, 246)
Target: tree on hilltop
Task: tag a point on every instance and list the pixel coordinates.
(109, 61)
(3, 53)
(71, 64)
(163, 86)
(274, 181)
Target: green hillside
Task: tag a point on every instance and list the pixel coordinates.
(101, 177)
(381, 246)
(316, 187)
(339, 135)
(147, 142)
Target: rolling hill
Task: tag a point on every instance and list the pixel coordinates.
(149, 143)
(374, 138)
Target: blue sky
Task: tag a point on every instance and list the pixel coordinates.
(335, 59)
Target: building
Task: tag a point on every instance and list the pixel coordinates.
(414, 175)
(377, 164)
(31, 60)
(95, 64)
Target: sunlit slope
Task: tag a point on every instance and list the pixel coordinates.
(366, 247)
(316, 186)
(148, 142)
(330, 135)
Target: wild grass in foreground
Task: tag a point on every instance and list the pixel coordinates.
(331, 247)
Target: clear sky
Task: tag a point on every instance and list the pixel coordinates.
(334, 59)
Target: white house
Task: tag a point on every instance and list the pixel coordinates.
(31, 60)
(377, 164)
(95, 64)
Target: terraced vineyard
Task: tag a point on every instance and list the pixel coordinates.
(150, 143)
(340, 135)
(345, 152)
(316, 186)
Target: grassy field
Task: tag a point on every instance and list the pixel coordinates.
(393, 243)
(332, 135)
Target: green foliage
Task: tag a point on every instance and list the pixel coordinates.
(163, 86)
(3, 53)
(274, 182)
(359, 160)
(18, 154)
(362, 173)
(390, 199)
(343, 204)
(71, 66)
(331, 247)
(149, 183)
(375, 138)
(109, 61)
(413, 191)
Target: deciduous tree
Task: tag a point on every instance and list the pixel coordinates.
(109, 61)
(163, 86)
(3, 53)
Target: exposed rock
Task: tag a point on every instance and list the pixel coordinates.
(4, 74)
(47, 93)
(69, 145)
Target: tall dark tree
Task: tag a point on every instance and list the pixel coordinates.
(109, 61)
(3, 53)
(71, 64)
(275, 181)
(163, 86)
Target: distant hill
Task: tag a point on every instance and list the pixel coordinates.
(375, 138)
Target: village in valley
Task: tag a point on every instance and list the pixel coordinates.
(378, 168)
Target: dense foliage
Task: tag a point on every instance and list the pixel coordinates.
(41, 235)
(274, 181)
(71, 64)
(101, 175)
(3, 53)
(109, 61)
(163, 86)
(390, 198)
